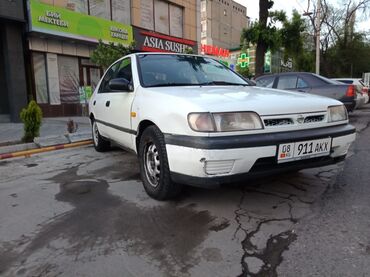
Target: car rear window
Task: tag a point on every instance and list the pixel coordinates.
(266, 82)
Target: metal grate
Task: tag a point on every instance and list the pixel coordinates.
(278, 122)
(314, 118)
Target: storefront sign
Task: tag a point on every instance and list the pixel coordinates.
(85, 94)
(62, 22)
(244, 60)
(155, 42)
(267, 64)
(214, 51)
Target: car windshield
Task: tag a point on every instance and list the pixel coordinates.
(184, 70)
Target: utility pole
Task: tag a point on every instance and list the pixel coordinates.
(318, 37)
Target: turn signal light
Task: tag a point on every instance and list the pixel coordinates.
(350, 91)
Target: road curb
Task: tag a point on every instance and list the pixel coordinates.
(29, 153)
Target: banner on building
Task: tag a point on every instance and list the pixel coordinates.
(63, 22)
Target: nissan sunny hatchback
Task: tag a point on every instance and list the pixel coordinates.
(193, 121)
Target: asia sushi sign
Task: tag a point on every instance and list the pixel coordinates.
(151, 41)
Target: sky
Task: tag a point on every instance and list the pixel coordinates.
(288, 6)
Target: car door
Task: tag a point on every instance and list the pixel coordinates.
(100, 101)
(118, 105)
(292, 82)
(286, 82)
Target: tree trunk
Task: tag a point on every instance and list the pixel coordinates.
(260, 58)
(265, 5)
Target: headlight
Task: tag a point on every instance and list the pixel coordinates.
(201, 122)
(224, 122)
(337, 113)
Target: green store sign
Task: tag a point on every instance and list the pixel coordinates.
(59, 21)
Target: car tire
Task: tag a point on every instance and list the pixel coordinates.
(101, 144)
(154, 168)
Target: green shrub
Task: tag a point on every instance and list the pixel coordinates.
(31, 118)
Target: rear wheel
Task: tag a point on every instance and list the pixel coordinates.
(100, 143)
(154, 168)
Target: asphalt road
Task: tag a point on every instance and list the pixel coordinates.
(77, 212)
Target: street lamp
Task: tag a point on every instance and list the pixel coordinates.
(317, 34)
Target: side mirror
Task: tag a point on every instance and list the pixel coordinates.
(120, 84)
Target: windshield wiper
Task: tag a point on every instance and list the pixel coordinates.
(222, 83)
(172, 85)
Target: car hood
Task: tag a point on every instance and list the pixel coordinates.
(264, 101)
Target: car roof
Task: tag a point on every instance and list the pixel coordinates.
(285, 73)
(170, 53)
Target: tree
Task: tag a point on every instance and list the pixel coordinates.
(339, 41)
(105, 54)
(263, 33)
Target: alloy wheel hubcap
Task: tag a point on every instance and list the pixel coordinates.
(152, 164)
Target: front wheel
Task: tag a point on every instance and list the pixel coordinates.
(154, 168)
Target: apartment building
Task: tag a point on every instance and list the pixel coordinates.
(222, 22)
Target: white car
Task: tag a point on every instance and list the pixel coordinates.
(361, 89)
(193, 121)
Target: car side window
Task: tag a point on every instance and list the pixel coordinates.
(104, 86)
(302, 83)
(266, 82)
(121, 69)
(124, 70)
(287, 82)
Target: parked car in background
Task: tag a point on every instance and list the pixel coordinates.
(311, 83)
(191, 120)
(361, 88)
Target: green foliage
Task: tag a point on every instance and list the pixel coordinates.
(289, 37)
(244, 71)
(347, 59)
(291, 34)
(189, 50)
(31, 118)
(105, 54)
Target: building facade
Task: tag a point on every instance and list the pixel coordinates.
(63, 34)
(13, 81)
(222, 22)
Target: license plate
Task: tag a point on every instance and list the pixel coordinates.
(303, 150)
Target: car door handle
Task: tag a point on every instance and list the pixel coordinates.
(107, 103)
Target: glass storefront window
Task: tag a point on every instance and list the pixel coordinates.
(176, 21)
(41, 85)
(147, 21)
(69, 80)
(121, 11)
(161, 19)
(73, 5)
(100, 8)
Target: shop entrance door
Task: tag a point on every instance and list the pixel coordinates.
(89, 78)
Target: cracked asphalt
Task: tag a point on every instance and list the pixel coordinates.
(81, 213)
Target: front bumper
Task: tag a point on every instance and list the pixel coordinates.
(208, 161)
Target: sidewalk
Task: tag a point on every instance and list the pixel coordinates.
(53, 136)
(53, 126)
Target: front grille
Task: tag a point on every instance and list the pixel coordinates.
(278, 122)
(314, 118)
